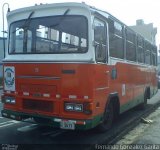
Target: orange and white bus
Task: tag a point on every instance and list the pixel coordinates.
(73, 66)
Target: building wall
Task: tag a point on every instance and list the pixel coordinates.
(146, 30)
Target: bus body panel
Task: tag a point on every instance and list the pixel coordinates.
(52, 85)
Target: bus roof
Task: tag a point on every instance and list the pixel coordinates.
(46, 6)
(72, 4)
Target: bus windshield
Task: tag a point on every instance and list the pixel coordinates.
(56, 34)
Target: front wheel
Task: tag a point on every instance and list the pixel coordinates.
(107, 118)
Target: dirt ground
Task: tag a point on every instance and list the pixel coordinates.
(147, 132)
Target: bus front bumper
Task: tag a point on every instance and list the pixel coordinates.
(54, 121)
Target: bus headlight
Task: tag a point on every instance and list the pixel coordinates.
(9, 100)
(69, 107)
(13, 101)
(74, 107)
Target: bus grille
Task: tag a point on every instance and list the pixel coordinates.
(38, 105)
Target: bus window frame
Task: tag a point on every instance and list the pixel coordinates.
(100, 18)
(87, 33)
(140, 46)
(112, 32)
(130, 43)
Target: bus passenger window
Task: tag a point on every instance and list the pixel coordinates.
(140, 55)
(153, 59)
(130, 45)
(147, 58)
(100, 40)
(148, 53)
(154, 54)
(140, 50)
(116, 41)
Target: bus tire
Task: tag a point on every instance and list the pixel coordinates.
(143, 105)
(108, 118)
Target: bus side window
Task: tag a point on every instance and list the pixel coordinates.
(154, 55)
(147, 58)
(130, 45)
(153, 59)
(148, 53)
(100, 40)
(116, 39)
(140, 50)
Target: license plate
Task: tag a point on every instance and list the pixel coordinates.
(67, 125)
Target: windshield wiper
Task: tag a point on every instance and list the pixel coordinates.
(25, 27)
(26, 23)
(61, 19)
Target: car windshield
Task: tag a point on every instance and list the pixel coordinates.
(56, 34)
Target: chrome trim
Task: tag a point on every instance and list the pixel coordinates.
(47, 62)
(101, 88)
(124, 61)
(38, 77)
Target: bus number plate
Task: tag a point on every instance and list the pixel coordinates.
(67, 125)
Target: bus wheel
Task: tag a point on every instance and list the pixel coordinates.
(107, 118)
(143, 105)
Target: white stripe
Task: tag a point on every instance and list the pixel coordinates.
(28, 128)
(25, 93)
(46, 95)
(2, 123)
(72, 96)
(57, 120)
(101, 88)
(7, 123)
(14, 121)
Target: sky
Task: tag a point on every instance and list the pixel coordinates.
(127, 11)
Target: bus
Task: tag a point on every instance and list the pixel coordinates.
(75, 67)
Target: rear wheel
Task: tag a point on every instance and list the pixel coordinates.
(107, 118)
(144, 104)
